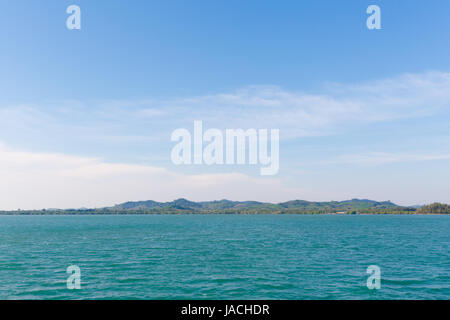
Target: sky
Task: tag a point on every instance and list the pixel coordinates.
(86, 115)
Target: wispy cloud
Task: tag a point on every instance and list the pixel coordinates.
(339, 106)
(380, 158)
(336, 108)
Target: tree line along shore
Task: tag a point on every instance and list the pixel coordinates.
(183, 206)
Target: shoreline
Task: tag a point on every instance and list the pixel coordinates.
(222, 214)
(228, 207)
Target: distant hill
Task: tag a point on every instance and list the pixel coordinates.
(227, 204)
(184, 206)
(150, 204)
(295, 206)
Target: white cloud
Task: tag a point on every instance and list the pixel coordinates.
(336, 108)
(380, 158)
(46, 180)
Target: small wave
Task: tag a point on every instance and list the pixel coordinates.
(404, 282)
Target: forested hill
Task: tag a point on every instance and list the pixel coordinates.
(181, 206)
(295, 206)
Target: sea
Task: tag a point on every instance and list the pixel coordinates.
(225, 257)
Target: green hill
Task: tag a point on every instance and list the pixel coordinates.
(184, 206)
(290, 207)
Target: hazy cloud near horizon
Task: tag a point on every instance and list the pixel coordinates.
(46, 180)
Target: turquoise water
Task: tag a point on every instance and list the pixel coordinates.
(225, 257)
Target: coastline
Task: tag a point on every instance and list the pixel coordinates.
(228, 207)
(213, 213)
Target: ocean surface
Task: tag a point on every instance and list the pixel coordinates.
(225, 257)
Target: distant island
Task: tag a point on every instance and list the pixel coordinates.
(183, 206)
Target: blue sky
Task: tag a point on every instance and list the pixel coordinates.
(86, 116)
